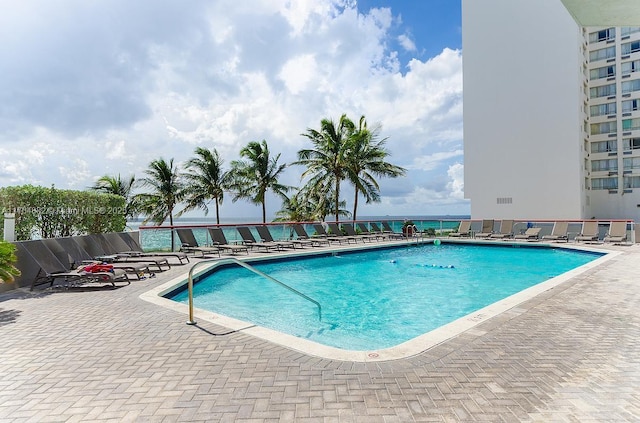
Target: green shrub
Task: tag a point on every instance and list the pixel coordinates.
(430, 232)
(8, 258)
(50, 212)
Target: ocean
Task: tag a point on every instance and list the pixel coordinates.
(159, 237)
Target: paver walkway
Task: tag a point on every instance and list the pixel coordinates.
(571, 354)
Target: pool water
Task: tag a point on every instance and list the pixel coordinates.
(379, 298)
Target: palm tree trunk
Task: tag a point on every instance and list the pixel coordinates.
(337, 199)
(355, 205)
(264, 211)
(217, 210)
(173, 234)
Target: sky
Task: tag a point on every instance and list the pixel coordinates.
(103, 87)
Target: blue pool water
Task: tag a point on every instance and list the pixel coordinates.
(381, 298)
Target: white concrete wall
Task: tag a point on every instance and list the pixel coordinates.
(616, 205)
(523, 118)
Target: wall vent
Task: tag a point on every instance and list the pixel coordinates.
(504, 200)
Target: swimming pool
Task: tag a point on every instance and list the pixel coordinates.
(379, 299)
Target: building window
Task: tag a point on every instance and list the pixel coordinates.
(603, 109)
(603, 128)
(604, 183)
(632, 47)
(631, 163)
(631, 124)
(604, 165)
(627, 30)
(604, 146)
(604, 90)
(631, 143)
(602, 54)
(631, 182)
(630, 86)
(630, 105)
(602, 35)
(604, 72)
(630, 67)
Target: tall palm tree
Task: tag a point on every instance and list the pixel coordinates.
(253, 177)
(366, 160)
(124, 188)
(327, 161)
(295, 209)
(166, 191)
(206, 181)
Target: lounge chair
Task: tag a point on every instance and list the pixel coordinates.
(322, 233)
(558, 233)
(126, 245)
(589, 232)
(487, 229)
(250, 241)
(220, 241)
(506, 230)
(337, 232)
(189, 244)
(265, 235)
(387, 229)
(365, 231)
(52, 269)
(377, 230)
(69, 252)
(100, 249)
(302, 235)
(617, 232)
(531, 234)
(349, 229)
(464, 230)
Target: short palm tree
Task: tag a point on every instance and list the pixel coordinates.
(8, 258)
(166, 191)
(327, 162)
(366, 160)
(259, 173)
(205, 181)
(124, 188)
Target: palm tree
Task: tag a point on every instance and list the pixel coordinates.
(124, 188)
(327, 161)
(206, 181)
(366, 160)
(319, 201)
(253, 177)
(166, 192)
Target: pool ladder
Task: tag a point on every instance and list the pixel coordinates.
(247, 266)
(415, 234)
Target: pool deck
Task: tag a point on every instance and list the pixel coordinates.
(571, 354)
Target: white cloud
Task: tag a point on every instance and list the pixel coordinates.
(76, 173)
(432, 161)
(104, 88)
(115, 149)
(406, 42)
(456, 185)
(298, 72)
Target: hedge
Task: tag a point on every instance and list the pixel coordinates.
(50, 213)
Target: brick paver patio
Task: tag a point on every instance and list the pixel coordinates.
(571, 354)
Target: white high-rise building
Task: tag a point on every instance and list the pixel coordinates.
(551, 117)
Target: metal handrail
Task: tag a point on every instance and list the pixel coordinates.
(250, 268)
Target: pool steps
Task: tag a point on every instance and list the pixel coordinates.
(247, 266)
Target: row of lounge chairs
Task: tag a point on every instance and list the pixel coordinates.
(344, 234)
(617, 232)
(66, 259)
